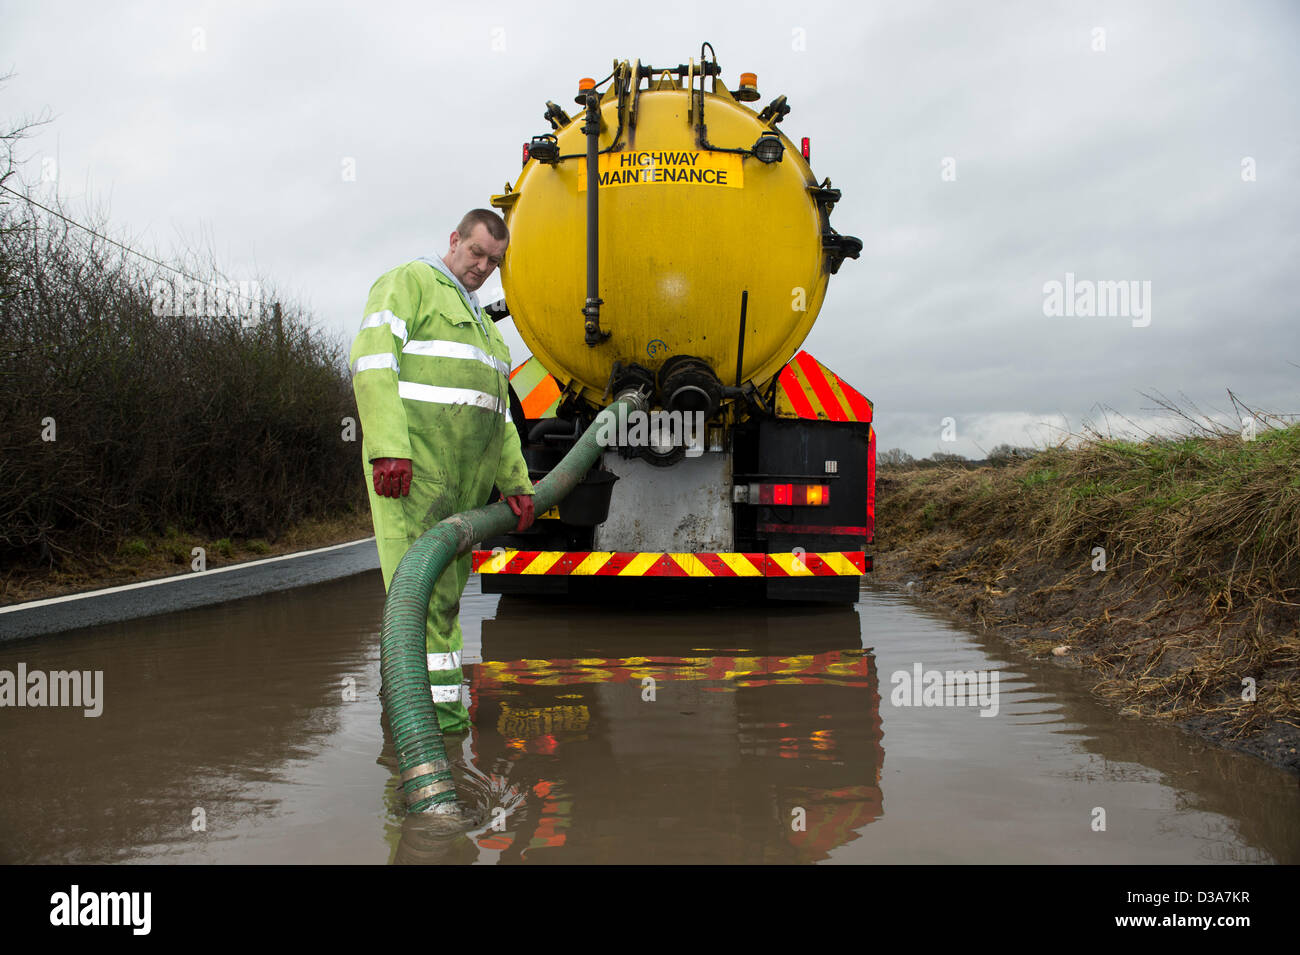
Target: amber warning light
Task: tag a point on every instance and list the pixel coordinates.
(585, 86)
(747, 92)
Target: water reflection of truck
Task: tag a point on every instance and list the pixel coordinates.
(671, 238)
(739, 739)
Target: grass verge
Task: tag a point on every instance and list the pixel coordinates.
(1169, 568)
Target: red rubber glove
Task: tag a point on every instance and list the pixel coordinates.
(392, 476)
(522, 505)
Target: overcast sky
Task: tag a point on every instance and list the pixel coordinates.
(1113, 141)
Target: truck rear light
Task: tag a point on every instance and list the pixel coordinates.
(797, 495)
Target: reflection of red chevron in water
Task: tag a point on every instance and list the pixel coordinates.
(552, 819)
(832, 817)
(833, 667)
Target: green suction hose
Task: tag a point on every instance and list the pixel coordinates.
(426, 775)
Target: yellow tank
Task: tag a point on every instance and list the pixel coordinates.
(683, 231)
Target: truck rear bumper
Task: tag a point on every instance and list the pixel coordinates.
(827, 576)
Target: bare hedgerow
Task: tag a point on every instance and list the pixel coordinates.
(212, 423)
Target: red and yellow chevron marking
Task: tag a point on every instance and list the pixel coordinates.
(871, 482)
(583, 563)
(538, 392)
(806, 388)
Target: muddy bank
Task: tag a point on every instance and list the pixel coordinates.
(1166, 573)
(138, 559)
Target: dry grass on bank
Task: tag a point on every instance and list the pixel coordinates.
(1201, 587)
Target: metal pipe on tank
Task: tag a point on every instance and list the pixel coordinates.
(591, 310)
(740, 346)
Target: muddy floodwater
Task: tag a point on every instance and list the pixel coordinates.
(251, 732)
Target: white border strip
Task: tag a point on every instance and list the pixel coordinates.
(192, 575)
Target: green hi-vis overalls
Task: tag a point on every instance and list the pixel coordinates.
(431, 380)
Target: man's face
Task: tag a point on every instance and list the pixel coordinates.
(473, 259)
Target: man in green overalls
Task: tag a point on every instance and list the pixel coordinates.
(431, 376)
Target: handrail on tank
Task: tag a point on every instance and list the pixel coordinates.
(591, 308)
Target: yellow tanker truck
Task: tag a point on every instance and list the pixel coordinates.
(669, 237)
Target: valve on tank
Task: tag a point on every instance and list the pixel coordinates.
(687, 384)
(624, 379)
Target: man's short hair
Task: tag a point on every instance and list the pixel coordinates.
(495, 225)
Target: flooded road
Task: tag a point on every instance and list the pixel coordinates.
(251, 732)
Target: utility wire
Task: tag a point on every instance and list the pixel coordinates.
(125, 248)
